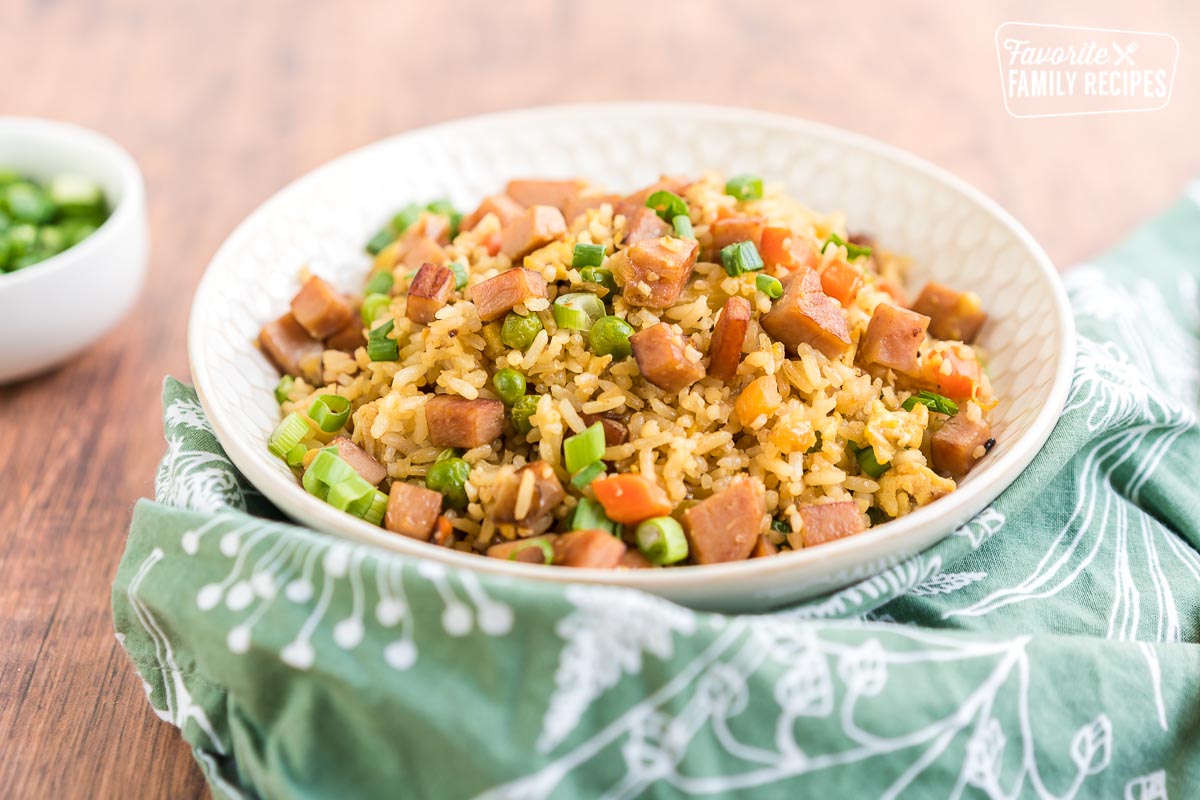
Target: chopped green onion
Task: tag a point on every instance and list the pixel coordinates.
(449, 452)
(380, 283)
(382, 238)
(577, 311)
(445, 209)
(769, 285)
(781, 526)
(745, 187)
(667, 205)
(295, 456)
(377, 508)
(683, 226)
(817, 444)
(609, 336)
(584, 448)
(740, 257)
(600, 277)
(868, 463)
(76, 196)
(877, 516)
(587, 255)
(405, 217)
(373, 306)
(460, 274)
(379, 346)
(287, 434)
(588, 474)
(661, 540)
(518, 332)
(284, 388)
(449, 477)
(27, 203)
(522, 410)
(541, 544)
(853, 251)
(589, 515)
(933, 401)
(343, 493)
(330, 412)
(509, 385)
(325, 471)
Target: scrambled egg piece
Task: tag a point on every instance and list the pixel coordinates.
(889, 432)
(910, 486)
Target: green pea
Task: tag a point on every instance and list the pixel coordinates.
(519, 332)
(522, 410)
(610, 336)
(510, 385)
(449, 477)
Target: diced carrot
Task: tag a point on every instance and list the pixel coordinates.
(896, 292)
(760, 397)
(783, 249)
(841, 282)
(630, 498)
(443, 530)
(492, 242)
(954, 376)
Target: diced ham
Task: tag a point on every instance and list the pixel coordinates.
(644, 224)
(504, 207)
(952, 315)
(783, 249)
(347, 338)
(893, 338)
(428, 292)
(535, 192)
(496, 296)
(546, 492)
(615, 431)
(959, 444)
(806, 315)
(731, 230)
(523, 550)
(537, 226)
(423, 250)
(458, 422)
(665, 358)
(633, 559)
(654, 272)
(725, 526)
(591, 549)
(412, 510)
(582, 203)
(841, 281)
(291, 349)
(764, 547)
(320, 308)
(725, 347)
(861, 239)
(367, 467)
(666, 182)
(828, 521)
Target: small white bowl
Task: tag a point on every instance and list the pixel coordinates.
(954, 233)
(52, 310)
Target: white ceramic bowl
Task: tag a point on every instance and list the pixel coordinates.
(52, 310)
(955, 233)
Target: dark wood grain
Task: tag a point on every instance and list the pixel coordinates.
(223, 102)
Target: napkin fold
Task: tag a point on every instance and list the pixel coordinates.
(1048, 648)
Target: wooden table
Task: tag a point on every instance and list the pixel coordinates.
(223, 102)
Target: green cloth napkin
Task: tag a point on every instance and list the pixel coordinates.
(1046, 649)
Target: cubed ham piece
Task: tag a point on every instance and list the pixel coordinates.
(536, 227)
(725, 526)
(291, 349)
(955, 316)
(644, 224)
(504, 207)
(525, 550)
(959, 444)
(349, 337)
(725, 347)
(429, 291)
(591, 549)
(893, 338)
(546, 492)
(806, 315)
(654, 272)
(582, 203)
(496, 296)
(371, 470)
(764, 547)
(731, 230)
(616, 432)
(423, 250)
(828, 521)
(412, 510)
(665, 358)
(458, 422)
(534, 192)
(320, 308)
(633, 559)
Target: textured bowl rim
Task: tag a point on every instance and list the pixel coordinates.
(133, 193)
(960, 505)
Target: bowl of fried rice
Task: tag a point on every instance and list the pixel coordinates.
(731, 358)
